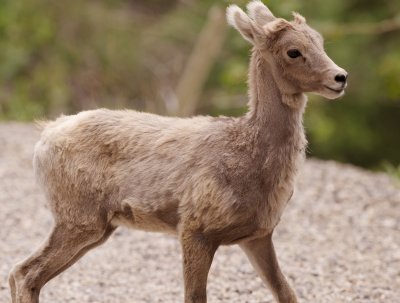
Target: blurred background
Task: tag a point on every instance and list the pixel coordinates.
(178, 57)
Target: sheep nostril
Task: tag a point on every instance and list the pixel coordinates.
(341, 78)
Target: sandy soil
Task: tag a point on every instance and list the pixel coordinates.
(338, 241)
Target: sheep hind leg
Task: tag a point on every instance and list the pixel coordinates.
(62, 249)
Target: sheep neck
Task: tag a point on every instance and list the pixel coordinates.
(273, 114)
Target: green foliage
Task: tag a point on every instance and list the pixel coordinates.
(392, 170)
(62, 57)
(67, 56)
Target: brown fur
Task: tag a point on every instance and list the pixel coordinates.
(211, 181)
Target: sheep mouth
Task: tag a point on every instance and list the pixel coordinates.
(335, 90)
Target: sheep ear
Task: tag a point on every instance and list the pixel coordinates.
(299, 19)
(248, 28)
(259, 12)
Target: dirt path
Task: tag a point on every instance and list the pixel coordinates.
(338, 241)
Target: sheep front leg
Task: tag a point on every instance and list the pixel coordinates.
(198, 254)
(261, 254)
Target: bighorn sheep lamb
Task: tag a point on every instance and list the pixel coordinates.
(210, 180)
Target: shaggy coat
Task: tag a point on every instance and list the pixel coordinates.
(210, 180)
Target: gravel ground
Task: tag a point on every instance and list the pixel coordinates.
(338, 241)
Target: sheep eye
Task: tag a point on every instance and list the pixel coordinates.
(293, 53)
